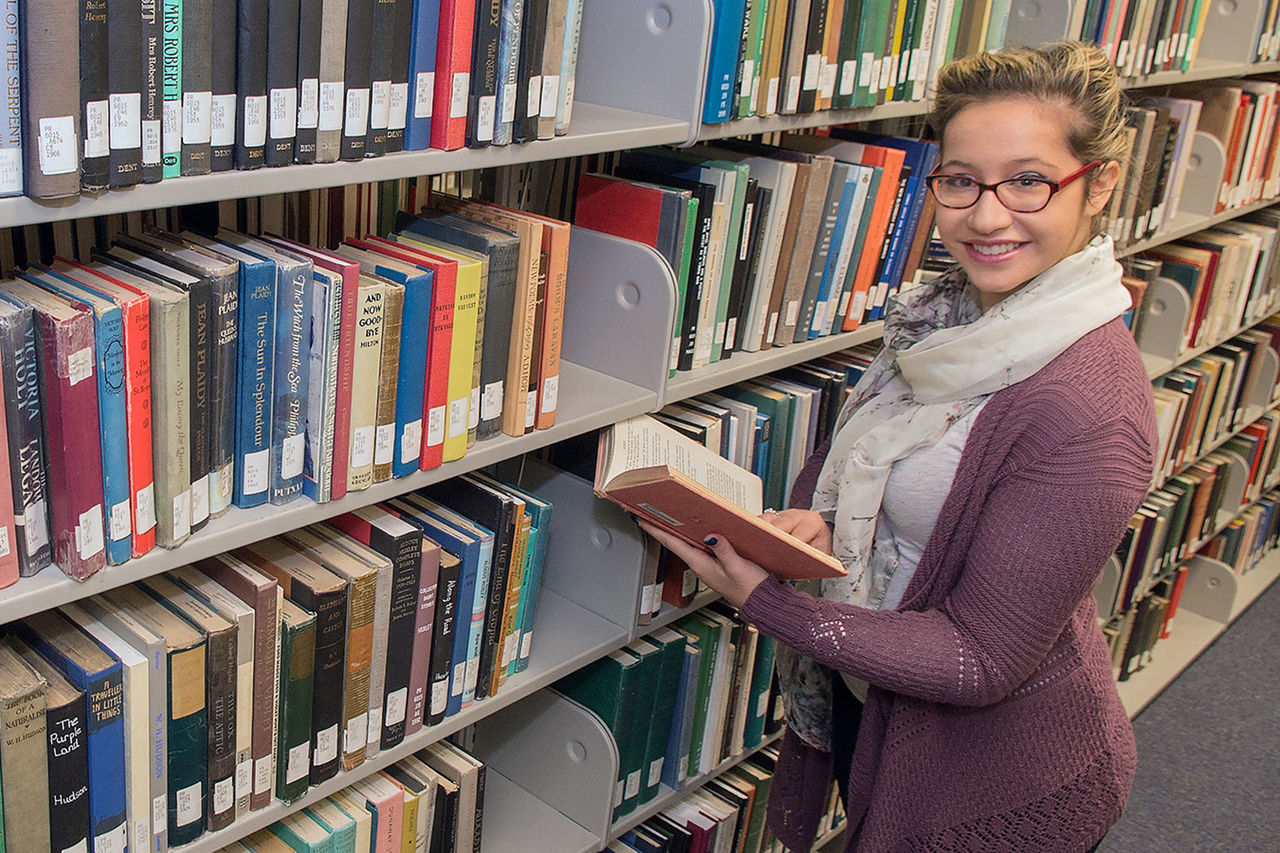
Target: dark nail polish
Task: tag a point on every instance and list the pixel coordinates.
(711, 541)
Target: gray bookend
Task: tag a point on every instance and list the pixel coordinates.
(1033, 22)
(1210, 589)
(1227, 28)
(1165, 308)
(1204, 176)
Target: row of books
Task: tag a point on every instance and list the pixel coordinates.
(231, 370)
(215, 688)
(727, 813)
(771, 58)
(1230, 274)
(1133, 636)
(171, 88)
(432, 801)
(1144, 36)
(1174, 521)
(771, 245)
(681, 700)
(1203, 401)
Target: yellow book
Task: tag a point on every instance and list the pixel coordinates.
(466, 345)
(895, 49)
(364, 388)
(410, 828)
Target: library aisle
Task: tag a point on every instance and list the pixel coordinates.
(1208, 748)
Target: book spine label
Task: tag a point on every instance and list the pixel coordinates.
(251, 85)
(197, 86)
(124, 75)
(288, 410)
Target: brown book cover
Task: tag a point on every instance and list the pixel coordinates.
(220, 692)
(388, 375)
(259, 592)
(811, 208)
(786, 258)
(23, 755)
(51, 126)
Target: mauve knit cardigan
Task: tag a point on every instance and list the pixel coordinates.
(993, 722)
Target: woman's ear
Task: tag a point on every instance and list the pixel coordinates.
(1100, 190)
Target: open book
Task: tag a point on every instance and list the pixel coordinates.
(681, 486)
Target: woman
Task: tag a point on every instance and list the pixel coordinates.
(983, 471)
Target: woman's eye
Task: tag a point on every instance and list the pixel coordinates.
(959, 182)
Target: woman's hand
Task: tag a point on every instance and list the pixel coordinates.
(804, 524)
(732, 576)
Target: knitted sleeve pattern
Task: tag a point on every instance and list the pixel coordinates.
(1042, 534)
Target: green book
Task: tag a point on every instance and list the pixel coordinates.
(758, 703)
(848, 62)
(606, 688)
(749, 774)
(171, 93)
(708, 634)
(671, 645)
(340, 825)
(778, 407)
(297, 675)
(633, 744)
(871, 35)
(752, 52)
(303, 833)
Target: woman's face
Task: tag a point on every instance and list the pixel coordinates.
(1012, 137)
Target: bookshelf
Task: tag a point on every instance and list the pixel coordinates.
(641, 73)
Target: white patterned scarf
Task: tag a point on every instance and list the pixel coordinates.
(942, 356)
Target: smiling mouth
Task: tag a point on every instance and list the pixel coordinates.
(992, 251)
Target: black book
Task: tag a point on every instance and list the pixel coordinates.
(502, 514)
(482, 104)
(282, 81)
(197, 86)
(145, 257)
(67, 728)
(309, 20)
(503, 250)
(446, 622)
(95, 95)
(251, 85)
(356, 79)
(811, 66)
(152, 107)
(401, 543)
(382, 39)
(402, 33)
(25, 436)
(706, 196)
(735, 312)
(759, 221)
(124, 75)
(222, 135)
(533, 36)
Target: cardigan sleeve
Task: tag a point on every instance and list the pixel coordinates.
(1041, 540)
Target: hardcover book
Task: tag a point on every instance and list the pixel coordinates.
(25, 436)
(23, 754)
(295, 700)
(124, 83)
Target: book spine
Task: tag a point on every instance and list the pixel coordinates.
(568, 67)
(364, 396)
(310, 20)
(333, 48)
(444, 627)
(359, 655)
(9, 569)
(533, 36)
(412, 375)
(405, 553)
(388, 376)
(222, 440)
(151, 108)
(222, 104)
(348, 317)
(68, 755)
(199, 375)
(23, 427)
(297, 681)
(282, 81)
(552, 52)
(255, 381)
(453, 74)
(75, 458)
(24, 756)
(424, 29)
(382, 38)
(124, 79)
(726, 38)
(317, 470)
(289, 407)
(424, 619)
(398, 105)
(251, 85)
(171, 421)
(51, 108)
(483, 98)
(11, 130)
(107, 809)
(356, 79)
(171, 81)
(109, 345)
(436, 405)
(197, 86)
(326, 703)
(94, 95)
(220, 702)
(509, 37)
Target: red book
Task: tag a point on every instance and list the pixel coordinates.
(1175, 595)
(8, 535)
(890, 160)
(135, 307)
(621, 208)
(453, 67)
(350, 272)
(69, 392)
(443, 288)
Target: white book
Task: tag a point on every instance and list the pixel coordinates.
(468, 774)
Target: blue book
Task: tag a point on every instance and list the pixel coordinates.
(422, 74)
(838, 235)
(291, 336)
(675, 762)
(722, 62)
(108, 343)
(760, 452)
(255, 372)
(509, 30)
(93, 669)
(474, 546)
(411, 378)
(322, 390)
